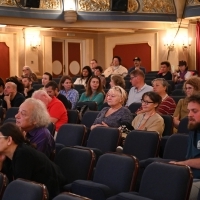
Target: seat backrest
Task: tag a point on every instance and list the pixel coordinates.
(142, 144)
(3, 184)
(91, 104)
(104, 138)
(178, 92)
(11, 120)
(52, 128)
(20, 189)
(11, 112)
(176, 147)
(89, 118)
(57, 80)
(134, 107)
(72, 116)
(177, 98)
(71, 134)
(70, 196)
(37, 86)
(117, 171)
(166, 181)
(75, 163)
(182, 127)
(168, 121)
(79, 87)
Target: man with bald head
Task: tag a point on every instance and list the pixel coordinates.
(12, 98)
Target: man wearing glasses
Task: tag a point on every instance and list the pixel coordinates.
(139, 87)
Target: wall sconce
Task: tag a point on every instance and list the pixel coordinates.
(70, 14)
(187, 42)
(169, 43)
(35, 42)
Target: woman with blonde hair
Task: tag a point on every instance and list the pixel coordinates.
(191, 86)
(114, 115)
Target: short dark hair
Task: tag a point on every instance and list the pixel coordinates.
(156, 98)
(52, 84)
(27, 77)
(138, 72)
(48, 74)
(63, 79)
(119, 59)
(2, 83)
(166, 63)
(99, 68)
(194, 98)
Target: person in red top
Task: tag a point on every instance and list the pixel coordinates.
(55, 107)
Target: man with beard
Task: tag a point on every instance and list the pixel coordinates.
(193, 151)
(28, 89)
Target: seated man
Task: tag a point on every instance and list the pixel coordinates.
(28, 89)
(165, 72)
(55, 107)
(52, 90)
(116, 68)
(137, 65)
(193, 151)
(139, 87)
(33, 118)
(12, 98)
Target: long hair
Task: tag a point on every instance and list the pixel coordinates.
(62, 80)
(89, 89)
(89, 73)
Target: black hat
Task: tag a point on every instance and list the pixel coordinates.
(137, 58)
(182, 62)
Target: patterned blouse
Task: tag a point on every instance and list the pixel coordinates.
(72, 95)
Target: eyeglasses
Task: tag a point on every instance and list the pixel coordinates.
(146, 102)
(2, 136)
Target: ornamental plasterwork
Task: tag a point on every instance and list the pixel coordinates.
(44, 4)
(158, 6)
(193, 2)
(132, 6)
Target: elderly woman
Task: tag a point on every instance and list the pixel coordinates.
(114, 115)
(149, 120)
(33, 118)
(191, 86)
(18, 160)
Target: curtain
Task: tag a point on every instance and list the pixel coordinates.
(198, 47)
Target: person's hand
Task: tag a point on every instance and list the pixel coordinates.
(177, 163)
(2, 158)
(25, 91)
(7, 98)
(104, 124)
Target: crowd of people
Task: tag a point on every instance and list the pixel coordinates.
(29, 137)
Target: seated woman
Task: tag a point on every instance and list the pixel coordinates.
(191, 86)
(93, 92)
(165, 72)
(167, 105)
(98, 72)
(18, 160)
(66, 89)
(85, 76)
(117, 80)
(149, 120)
(114, 115)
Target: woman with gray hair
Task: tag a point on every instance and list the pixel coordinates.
(33, 118)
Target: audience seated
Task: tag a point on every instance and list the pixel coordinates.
(46, 77)
(116, 68)
(33, 118)
(52, 90)
(137, 65)
(12, 98)
(56, 109)
(192, 85)
(98, 72)
(114, 115)
(85, 76)
(18, 82)
(93, 65)
(93, 92)
(117, 80)
(67, 89)
(28, 89)
(28, 72)
(165, 71)
(2, 86)
(18, 160)
(139, 87)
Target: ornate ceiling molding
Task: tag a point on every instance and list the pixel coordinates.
(193, 2)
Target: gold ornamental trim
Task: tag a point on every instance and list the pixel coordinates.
(193, 2)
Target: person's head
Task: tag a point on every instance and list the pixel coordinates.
(116, 96)
(165, 66)
(160, 86)
(26, 71)
(137, 77)
(52, 88)
(42, 96)
(150, 101)
(46, 77)
(116, 61)
(10, 134)
(19, 84)
(86, 73)
(191, 86)
(98, 71)
(117, 80)
(2, 85)
(137, 62)
(194, 112)
(182, 65)
(27, 82)
(32, 114)
(66, 83)
(10, 88)
(93, 64)
(93, 85)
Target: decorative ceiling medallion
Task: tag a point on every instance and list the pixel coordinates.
(133, 6)
(158, 6)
